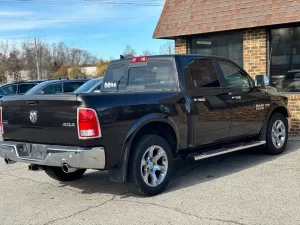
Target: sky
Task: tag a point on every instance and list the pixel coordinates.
(101, 27)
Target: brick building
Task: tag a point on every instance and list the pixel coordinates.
(261, 36)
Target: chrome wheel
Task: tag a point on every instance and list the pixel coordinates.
(154, 166)
(278, 134)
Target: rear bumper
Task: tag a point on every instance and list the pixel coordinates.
(54, 155)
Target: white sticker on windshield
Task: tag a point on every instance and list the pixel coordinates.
(110, 85)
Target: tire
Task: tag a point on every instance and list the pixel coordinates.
(273, 147)
(142, 173)
(57, 173)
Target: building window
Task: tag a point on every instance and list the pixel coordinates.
(285, 59)
(225, 45)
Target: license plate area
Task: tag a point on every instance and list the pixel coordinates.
(32, 151)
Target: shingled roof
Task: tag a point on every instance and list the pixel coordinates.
(187, 17)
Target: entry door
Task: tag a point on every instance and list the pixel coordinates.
(211, 115)
(248, 103)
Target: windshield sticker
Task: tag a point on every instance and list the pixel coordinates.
(110, 85)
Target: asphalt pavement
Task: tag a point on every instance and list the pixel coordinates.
(241, 188)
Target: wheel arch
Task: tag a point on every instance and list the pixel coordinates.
(276, 108)
(154, 123)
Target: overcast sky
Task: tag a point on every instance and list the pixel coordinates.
(100, 26)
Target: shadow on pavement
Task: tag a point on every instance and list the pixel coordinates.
(186, 173)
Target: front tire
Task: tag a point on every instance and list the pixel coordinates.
(277, 134)
(150, 166)
(57, 173)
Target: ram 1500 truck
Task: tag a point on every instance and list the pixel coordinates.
(150, 110)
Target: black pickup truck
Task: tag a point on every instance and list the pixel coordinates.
(150, 110)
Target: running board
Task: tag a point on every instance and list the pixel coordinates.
(227, 150)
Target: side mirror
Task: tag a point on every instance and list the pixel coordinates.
(261, 80)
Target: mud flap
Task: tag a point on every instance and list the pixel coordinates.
(119, 173)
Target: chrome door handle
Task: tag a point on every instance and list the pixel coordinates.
(199, 99)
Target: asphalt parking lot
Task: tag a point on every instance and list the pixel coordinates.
(240, 188)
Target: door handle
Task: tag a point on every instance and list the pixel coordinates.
(199, 99)
(31, 102)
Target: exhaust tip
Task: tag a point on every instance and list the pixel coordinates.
(65, 168)
(8, 161)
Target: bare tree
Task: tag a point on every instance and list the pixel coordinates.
(167, 48)
(4, 49)
(147, 52)
(41, 60)
(14, 64)
(128, 52)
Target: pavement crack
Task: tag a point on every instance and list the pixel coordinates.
(28, 179)
(81, 211)
(182, 212)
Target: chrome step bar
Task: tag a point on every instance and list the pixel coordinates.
(227, 150)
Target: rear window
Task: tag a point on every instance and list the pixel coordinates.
(87, 86)
(153, 75)
(70, 87)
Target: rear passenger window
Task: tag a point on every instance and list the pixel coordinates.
(153, 75)
(52, 89)
(72, 86)
(203, 73)
(23, 88)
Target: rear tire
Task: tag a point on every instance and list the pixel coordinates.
(150, 166)
(57, 173)
(277, 134)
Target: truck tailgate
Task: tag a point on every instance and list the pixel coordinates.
(46, 119)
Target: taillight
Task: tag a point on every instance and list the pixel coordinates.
(1, 123)
(139, 59)
(88, 124)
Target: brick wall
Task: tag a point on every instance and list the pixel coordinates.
(181, 47)
(294, 108)
(255, 51)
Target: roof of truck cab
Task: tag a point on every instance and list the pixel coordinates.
(157, 56)
(178, 56)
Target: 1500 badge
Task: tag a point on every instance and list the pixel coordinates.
(260, 107)
(68, 124)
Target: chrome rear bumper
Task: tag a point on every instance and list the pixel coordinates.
(53, 155)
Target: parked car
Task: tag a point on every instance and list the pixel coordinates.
(19, 87)
(289, 82)
(150, 110)
(56, 87)
(93, 85)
